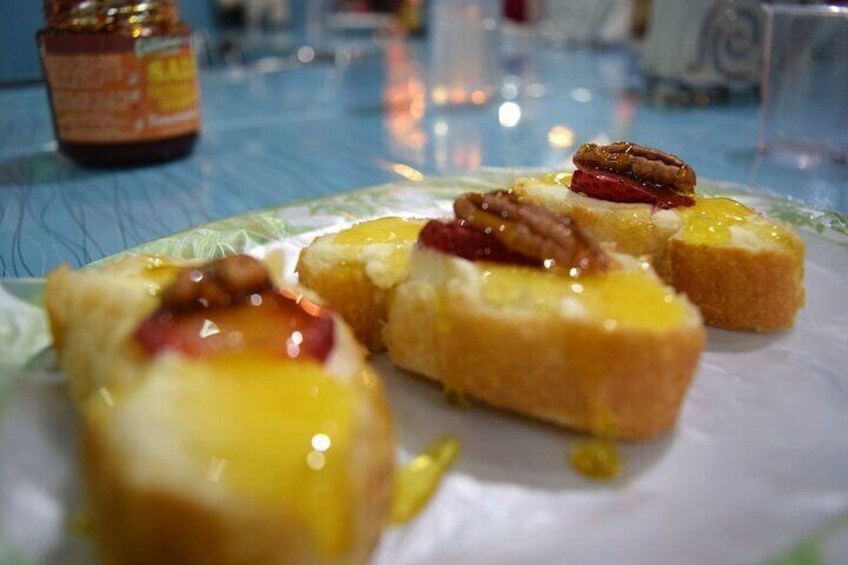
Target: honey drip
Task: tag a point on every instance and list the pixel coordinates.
(418, 480)
(597, 459)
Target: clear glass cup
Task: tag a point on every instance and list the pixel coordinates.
(464, 51)
(804, 114)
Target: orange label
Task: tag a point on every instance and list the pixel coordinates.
(107, 89)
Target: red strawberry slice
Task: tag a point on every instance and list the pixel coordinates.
(456, 237)
(613, 187)
(278, 322)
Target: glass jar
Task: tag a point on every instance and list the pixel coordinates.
(122, 80)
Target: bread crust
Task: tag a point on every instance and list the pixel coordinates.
(739, 289)
(352, 294)
(357, 280)
(736, 287)
(92, 318)
(573, 373)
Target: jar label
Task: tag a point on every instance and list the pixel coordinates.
(106, 88)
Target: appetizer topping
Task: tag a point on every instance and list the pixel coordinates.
(230, 305)
(645, 164)
(626, 172)
(617, 188)
(553, 240)
(457, 237)
(218, 283)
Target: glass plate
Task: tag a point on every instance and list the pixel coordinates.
(755, 471)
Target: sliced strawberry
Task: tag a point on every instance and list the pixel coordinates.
(276, 322)
(456, 237)
(613, 187)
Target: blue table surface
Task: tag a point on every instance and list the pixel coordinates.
(275, 135)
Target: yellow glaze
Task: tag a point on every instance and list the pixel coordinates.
(562, 178)
(616, 298)
(416, 482)
(382, 230)
(382, 245)
(275, 433)
(710, 220)
(596, 459)
(159, 267)
(157, 272)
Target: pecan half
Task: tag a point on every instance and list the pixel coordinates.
(554, 240)
(645, 164)
(217, 283)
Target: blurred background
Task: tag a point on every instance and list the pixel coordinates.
(241, 31)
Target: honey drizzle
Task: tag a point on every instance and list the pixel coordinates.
(598, 458)
(418, 480)
(391, 229)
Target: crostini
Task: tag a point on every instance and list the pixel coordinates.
(516, 306)
(225, 420)
(744, 271)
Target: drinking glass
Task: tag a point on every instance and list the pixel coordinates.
(804, 114)
(464, 55)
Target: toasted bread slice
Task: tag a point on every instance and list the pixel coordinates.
(355, 271)
(611, 353)
(744, 271)
(232, 458)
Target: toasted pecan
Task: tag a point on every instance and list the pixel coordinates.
(554, 240)
(216, 283)
(644, 164)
